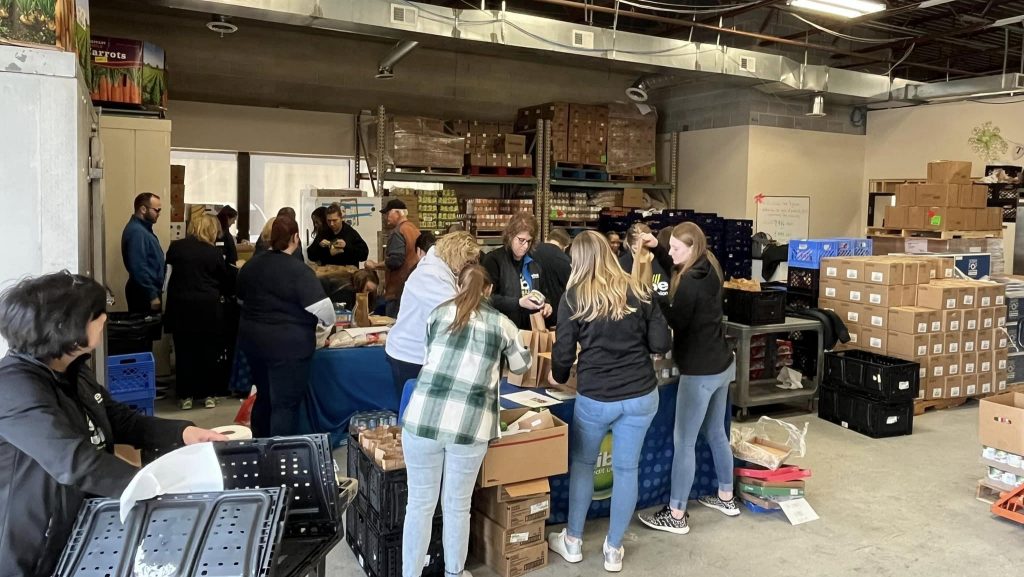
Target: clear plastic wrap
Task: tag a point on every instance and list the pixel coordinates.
(631, 140)
(769, 442)
(416, 142)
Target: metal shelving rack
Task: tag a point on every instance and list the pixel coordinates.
(541, 181)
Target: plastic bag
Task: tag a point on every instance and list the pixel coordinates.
(769, 442)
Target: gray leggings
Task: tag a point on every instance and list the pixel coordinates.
(701, 404)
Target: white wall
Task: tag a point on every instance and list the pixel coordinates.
(254, 129)
(713, 166)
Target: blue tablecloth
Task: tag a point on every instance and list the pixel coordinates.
(655, 462)
(344, 382)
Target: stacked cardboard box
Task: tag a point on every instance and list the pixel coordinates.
(911, 308)
(948, 201)
(177, 193)
(572, 206)
(437, 209)
(509, 509)
(417, 142)
(631, 141)
(1001, 433)
(579, 132)
(493, 144)
(492, 214)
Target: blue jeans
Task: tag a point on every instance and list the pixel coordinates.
(701, 404)
(628, 421)
(427, 460)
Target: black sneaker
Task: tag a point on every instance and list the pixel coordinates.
(729, 507)
(664, 521)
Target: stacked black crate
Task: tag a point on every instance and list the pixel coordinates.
(735, 250)
(869, 393)
(1005, 192)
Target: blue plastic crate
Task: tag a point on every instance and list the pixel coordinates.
(854, 246)
(808, 253)
(141, 402)
(131, 374)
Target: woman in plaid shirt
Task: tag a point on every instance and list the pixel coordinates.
(451, 416)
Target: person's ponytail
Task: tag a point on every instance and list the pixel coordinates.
(474, 286)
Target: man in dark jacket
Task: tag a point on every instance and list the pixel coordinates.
(143, 257)
(515, 273)
(338, 243)
(556, 266)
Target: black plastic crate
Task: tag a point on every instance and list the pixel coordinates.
(803, 278)
(877, 376)
(1010, 213)
(228, 534)
(303, 464)
(799, 299)
(386, 493)
(129, 333)
(755, 308)
(1003, 191)
(380, 553)
(871, 417)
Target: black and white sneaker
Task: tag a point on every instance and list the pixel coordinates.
(664, 521)
(729, 507)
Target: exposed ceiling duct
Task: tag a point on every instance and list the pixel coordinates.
(985, 87)
(667, 61)
(386, 67)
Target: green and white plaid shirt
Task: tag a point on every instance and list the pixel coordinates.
(456, 395)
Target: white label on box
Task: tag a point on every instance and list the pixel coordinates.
(538, 507)
(954, 370)
(877, 277)
(986, 301)
(830, 291)
(853, 338)
(986, 367)
(954, 326)
(938, 371)
(904, 385)
(923, 373)
(937, 393)
(851, 274)
(969, 300)
(892, 420)
(972, 325)
(951, 303)
(1002, 364)
(954, 347)
(968, 346)
(922, 327)
(1001, 322)
(853, 317)
(855, 296)
(831, 271)
(922, 350)
(877, 321)
(972, 390)
(986, 345)
(937, 349)
(1000, 300)
(875, 298)
(954, 392)
(936, 326)
(845, 425)
(875, 343)
(988, 323)
(518, 538)
(969, 368)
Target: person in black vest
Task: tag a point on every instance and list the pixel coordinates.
(338, 243)
(515, 272)
(556, 266)
(227, 217)
(282, 303)
(196, 288)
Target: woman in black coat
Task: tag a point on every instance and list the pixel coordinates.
(515, 273)
(196, 287)
(58, 425)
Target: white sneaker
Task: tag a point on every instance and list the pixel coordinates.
(613, 558)
(729, 507)
(571, 552)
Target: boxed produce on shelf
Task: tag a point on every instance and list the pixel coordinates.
(129, 72)
(60, 24)
(418, 143)
(631, 140)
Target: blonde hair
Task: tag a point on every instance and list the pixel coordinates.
(267, 229)
(692, 236)
(474, 286)
(598, 285)
(457, 249)
(204, 227)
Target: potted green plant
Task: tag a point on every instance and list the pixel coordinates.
(987, 142)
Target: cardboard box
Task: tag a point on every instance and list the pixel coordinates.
(526, 456)
(952, 362)
(883, 272)
(937, 343)
(633, 198)
(910, 320)
(970, 386)
(937, 297)
(951, 343)
(969, 296)
(507, 540)
(896, 217)
(946, 195)
(1000, 359)
(954, 387)
(986, 361)
(969, 341)
(952, 321)
(874, 339)
(917, 217)
(1001, 422)
(936, 388)
(872, 316)
(969, 363)
(993, 218)
(907, 346)
(883, 296)
(970, 319)
(949, 172)
(487, 542)
(1000, 340)
(986, 318)
(999, 383)
(985, 382)
(177, 174)
(510, 143)
(906, 195)
(973, 196)
(514, 505)
(1000, 316)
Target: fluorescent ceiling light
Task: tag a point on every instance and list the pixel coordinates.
(932, 3)
(844, 8)
(1008, 21)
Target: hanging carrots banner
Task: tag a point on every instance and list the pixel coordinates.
(128, 72)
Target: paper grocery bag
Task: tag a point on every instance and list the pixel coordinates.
(538, 340)
(643, 269)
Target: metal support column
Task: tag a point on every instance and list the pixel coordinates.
(544, 195)
(381, 148)
(674, 171)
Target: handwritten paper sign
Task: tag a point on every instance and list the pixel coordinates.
(783, 217)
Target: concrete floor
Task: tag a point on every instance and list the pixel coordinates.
(903, 507)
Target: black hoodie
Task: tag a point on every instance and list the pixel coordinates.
(57, 435)
(695, 315)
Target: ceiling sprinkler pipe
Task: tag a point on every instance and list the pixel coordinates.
(400, 51)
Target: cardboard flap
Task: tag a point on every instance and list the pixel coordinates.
(537, 323)
(526, 489)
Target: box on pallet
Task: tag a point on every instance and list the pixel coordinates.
(1001, 422)
(949, 171)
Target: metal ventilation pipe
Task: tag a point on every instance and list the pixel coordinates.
(385, 69)
(640, 89)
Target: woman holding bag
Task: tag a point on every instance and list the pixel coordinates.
(617, 327)
(707, 366)
(451, 416)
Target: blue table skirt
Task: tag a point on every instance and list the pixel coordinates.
(655, 482)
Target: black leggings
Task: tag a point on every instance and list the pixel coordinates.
(281, 386)
(197, 371)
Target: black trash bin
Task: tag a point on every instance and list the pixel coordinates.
(129, 333)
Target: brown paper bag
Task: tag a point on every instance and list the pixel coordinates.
(643, 269)
(538, 340)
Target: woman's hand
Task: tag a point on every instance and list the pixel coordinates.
(649, 240)
(529, 305)
(325, 243)
(551, 379)
(545, 311)
(193, 435)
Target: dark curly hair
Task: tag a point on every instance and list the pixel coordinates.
(46, 316)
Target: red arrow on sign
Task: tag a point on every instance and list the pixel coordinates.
(759, 198)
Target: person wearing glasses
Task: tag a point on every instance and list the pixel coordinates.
(58, 424)
(143, 256)
(515, 273)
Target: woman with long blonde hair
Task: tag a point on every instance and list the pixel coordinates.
(707, 366)
(611, 317)
(452, 415)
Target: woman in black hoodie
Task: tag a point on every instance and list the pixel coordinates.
(707, 366)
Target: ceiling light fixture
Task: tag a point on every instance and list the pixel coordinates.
(933, 3)
(817, 106)
(1008, 21)
(222, 25)
(844, 8)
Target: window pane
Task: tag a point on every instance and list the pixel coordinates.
(210, 177)
(280, 181)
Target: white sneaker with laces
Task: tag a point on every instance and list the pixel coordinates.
(571, 552)
(613, 557)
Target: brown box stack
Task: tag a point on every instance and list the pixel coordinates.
(948, 201)
(437, 209)
(579, 132)
(631, 141)
(418, 142)
(1001, 433)
(493, 144)
(177, 193)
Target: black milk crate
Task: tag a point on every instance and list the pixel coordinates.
(303, 464)
(1003, 191)
(871, 417)
(1010, 213)
(803, 278)
(800, 299)
(755, 308)
(877, 376)
(386, 492)
(229, 534)
(379, 552)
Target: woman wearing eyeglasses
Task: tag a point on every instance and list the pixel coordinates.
(515, 273)
(58, 426)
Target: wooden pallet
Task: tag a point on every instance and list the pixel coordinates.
(523, 171)
(429, 169)
(632, 178)
(563, 173)
(986, 492)
(939, 404)
(937, 234)
(581, 166)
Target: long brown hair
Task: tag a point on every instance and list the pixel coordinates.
(474, 286)
(598, 284)
(692, 236)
